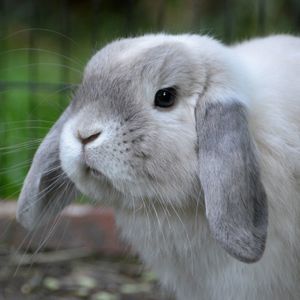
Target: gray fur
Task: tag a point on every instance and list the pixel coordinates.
(46, 189)
(179, 192)
(235, 199)
(113, 92)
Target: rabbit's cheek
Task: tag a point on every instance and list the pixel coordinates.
(109, 155)
(113, 164)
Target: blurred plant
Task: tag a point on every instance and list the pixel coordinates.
(44, 46)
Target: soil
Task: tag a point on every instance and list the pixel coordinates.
(62, 275)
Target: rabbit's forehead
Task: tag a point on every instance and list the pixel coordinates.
(124, 51)
(162, 66)
(136, 58)
(124, 75)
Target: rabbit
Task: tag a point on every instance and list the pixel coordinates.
(196, 145)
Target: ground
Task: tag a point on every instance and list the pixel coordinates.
(83, 258)
(59, 275)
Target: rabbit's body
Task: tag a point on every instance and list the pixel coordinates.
(182, 195)
(179, 248)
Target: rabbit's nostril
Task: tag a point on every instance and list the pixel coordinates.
(89, 139)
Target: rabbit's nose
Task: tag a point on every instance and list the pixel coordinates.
(88, 139)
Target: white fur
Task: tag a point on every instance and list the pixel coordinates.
(177, 244)
(197, 268)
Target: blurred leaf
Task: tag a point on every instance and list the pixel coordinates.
(130, 288)
(51, 283)
(104, 296)
(149, 276)
(87, 282)
(82, 292)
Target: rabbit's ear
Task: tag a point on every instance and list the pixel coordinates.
(235, 199)
(46, 189)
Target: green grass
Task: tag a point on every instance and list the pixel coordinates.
(27, 114)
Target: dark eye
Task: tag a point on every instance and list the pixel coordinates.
(165, 97)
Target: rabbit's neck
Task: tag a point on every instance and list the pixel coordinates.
(175, 244)
(178, 246)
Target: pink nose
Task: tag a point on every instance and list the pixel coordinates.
(89, 139)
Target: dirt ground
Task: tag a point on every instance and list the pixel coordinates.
(74, 275)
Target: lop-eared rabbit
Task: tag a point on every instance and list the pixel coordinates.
(197, 147)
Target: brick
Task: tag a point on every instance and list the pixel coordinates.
(79, 226)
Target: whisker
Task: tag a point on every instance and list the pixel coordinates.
(42, 30)
(20, 145)
(8, 185)
(43, 64)
(43, 213)
(24, 128)
(25, 122)
(50, 231)
(18, 166)
(42, 193)
(79, 63)
(30, 234)
(53, 224)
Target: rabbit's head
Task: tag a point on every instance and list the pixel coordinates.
(157, 119)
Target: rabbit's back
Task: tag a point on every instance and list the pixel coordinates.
(274, 65)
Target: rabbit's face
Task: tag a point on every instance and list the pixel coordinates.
(133, 123)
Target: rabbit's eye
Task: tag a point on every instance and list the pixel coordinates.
(165, 97)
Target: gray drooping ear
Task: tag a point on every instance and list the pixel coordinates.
(46, 189)
(235, 199)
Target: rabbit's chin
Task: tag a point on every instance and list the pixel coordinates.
(129, 192)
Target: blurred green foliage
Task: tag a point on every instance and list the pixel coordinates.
(45, 44)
